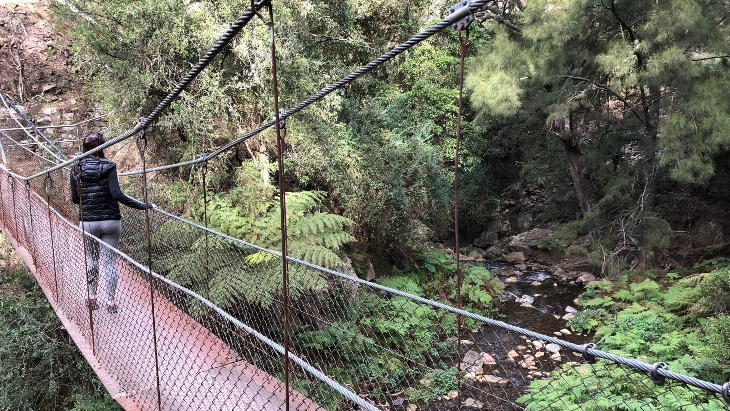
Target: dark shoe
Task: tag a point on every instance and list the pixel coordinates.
(93, 304)
(111, 306)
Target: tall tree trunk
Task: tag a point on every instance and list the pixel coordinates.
(571, 144)
(648, 198)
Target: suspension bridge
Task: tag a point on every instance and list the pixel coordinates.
(295, 334)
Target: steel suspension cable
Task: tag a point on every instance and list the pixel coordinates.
(9, 105)
(587, 349)
(392, 53)
(204, 61)
(18, 144)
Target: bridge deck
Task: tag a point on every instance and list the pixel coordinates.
(197, 370)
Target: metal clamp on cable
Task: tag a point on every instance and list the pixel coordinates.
(460, 16)
(655, 377)
(588, 357)
(142, 138)
(282, 120)
(48, 179)
(726, 392)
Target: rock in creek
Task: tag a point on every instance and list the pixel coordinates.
(553, 348)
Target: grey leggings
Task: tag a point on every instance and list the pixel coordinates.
(109, 232)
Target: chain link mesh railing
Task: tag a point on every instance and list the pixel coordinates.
(354, 344)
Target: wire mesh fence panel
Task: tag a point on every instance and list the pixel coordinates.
(204, 327)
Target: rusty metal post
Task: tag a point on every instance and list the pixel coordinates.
(15, 210)
(77, 174)
(31, 239)
(2, 204)
(282, 207)
(205, 221)
(142, 147)
(463, 39)
(46, 180)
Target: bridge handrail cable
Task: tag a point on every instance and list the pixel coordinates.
(239, 324)
(587, 349)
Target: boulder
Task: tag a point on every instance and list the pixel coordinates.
(524, 222)
(568, 316)
(488, 359)
(486, 239)
(586, 278)
(528, 239)
(570, 309)
(526, 363)
(492, 378)
(527, 299)
(492, 252)
(553, 348)
(515, 257)
(477, 254)
(471, 357)
(495, 225)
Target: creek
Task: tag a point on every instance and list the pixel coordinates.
(520, 359)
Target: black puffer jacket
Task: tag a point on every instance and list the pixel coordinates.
(100, 192)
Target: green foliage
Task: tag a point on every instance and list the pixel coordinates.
(571, 389)
(477, 289)
(550, 246)
(314, 235)
(586, 321)
(650, 321)
(223, 271)
(712, 264)
(41, 367)
(713, 291)
(438, 383)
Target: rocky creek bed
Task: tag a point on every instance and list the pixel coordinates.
(498, 364)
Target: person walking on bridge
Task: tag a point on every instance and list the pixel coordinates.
(99, 193)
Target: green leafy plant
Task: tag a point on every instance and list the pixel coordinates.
(434, 385)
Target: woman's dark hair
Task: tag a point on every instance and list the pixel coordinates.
(92, 141)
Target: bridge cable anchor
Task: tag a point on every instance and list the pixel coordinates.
(460, 16)
(655, 377)
(588, 357)
(726, 392)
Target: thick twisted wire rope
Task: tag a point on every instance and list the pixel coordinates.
(587, 349)
(26, 149)
(247, 329)
(204, 61)
(58, 125)
(392, 53)
(9, 104)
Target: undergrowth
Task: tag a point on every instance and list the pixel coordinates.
(684, 322)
